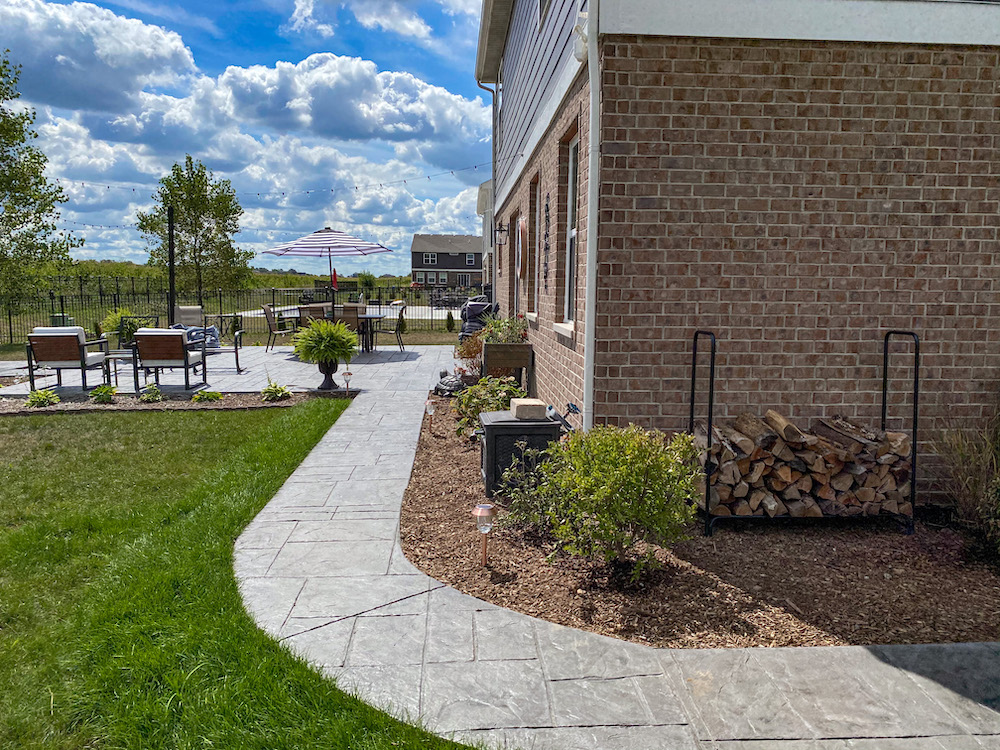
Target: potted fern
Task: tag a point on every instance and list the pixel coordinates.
(326, 344)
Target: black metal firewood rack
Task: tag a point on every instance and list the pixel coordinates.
(710, 520)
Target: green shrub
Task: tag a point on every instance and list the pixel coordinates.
(113, 320)
(273, 392)
(366, 280)
(402, 322)
(608, 494)
(103, 394)
(489, 394)
(206, 396)
(449, 323)
(151, 395)
(42, 398)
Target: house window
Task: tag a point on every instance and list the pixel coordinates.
(430, 259)
(572, 194)
(470, 259)
(534, 245)
(419, 277)
(431, 277)
(464, 279)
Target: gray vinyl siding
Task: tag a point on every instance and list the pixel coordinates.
(527, 74)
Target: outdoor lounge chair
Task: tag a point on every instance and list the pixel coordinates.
(396, 329)
(65, 348)
(189, 315)
(165, 348)
(274, 328)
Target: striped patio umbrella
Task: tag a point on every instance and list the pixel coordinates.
(328, 243)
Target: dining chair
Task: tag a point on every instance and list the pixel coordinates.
(309, 313)
(396, 330)
(274, 329)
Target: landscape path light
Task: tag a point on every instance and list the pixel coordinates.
(484, 514)
(429, 410)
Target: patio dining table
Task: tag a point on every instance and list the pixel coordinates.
(366, 324)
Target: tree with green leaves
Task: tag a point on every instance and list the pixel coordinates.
(29, 241)
(206, 216)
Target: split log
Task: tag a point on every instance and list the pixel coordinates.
(788, 431)
(755, 429)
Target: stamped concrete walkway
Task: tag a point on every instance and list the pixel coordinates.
(321, 570)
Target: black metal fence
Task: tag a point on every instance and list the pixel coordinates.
(427, 308)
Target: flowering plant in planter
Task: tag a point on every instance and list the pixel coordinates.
(498, 330)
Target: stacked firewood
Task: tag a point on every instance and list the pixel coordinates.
(772, 467)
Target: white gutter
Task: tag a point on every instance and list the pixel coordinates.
(593, 195)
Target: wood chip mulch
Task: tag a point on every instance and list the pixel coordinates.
(765, 585)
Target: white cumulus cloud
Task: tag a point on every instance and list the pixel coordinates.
(81, 56)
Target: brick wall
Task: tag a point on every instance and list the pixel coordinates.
(798, 199)
(559, 357)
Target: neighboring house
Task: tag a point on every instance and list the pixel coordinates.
(797, 176)
(446, 260)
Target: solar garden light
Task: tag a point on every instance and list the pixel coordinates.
(429, 410)
(484, 514)
(347, 381)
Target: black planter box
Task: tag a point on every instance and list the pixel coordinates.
(499, 440)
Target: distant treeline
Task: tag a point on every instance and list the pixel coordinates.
(67, 278)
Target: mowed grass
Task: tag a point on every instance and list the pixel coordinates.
(121, 624)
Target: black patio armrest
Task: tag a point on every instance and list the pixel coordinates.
(238, 339)
(102, 342)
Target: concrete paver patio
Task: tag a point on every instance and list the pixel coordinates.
(321, 569)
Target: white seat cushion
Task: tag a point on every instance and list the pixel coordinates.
(93, 359)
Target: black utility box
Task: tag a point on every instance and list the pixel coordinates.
(499, 438)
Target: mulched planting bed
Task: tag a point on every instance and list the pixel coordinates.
(79, 402)
(788, 585)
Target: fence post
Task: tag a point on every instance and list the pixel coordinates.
(220, 300)
(273, 292)
(62, 307)
(100, 291)
(10, 322)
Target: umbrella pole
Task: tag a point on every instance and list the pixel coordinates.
(330, 258)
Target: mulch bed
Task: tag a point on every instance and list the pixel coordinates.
(765, 585)
(79, 402)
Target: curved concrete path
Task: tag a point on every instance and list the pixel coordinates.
(322, 571)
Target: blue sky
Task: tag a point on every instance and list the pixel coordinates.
(315, 111)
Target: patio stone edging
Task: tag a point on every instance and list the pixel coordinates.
(321, 570)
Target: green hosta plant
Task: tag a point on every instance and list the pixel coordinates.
(151, 395)
(273, 392)
(202, 397)
(609, 494)
(42, 398)
(103, 394)
(489, 394)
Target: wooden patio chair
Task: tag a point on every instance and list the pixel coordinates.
(65, 348)
(274, 326)
(164, 349)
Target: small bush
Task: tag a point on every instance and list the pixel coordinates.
(151, 395)
(42, 398)
(470, 353)
(103, 394)
(206, 397)
(366, 280)
(608, 494)
(489, 394)
(449, 323)
(113, 320)
(273, 392)
(402, 322)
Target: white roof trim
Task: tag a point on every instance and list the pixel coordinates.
(903, 21)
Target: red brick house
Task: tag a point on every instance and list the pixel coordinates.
(797, 176)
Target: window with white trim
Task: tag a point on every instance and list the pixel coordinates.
(470, 259)
(572, 195)
(431, 277)
(430, 259)
(419, 277)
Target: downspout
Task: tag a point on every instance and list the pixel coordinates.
(593, 215)
(493, 189)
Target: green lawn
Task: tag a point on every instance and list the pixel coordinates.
(121, 624)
